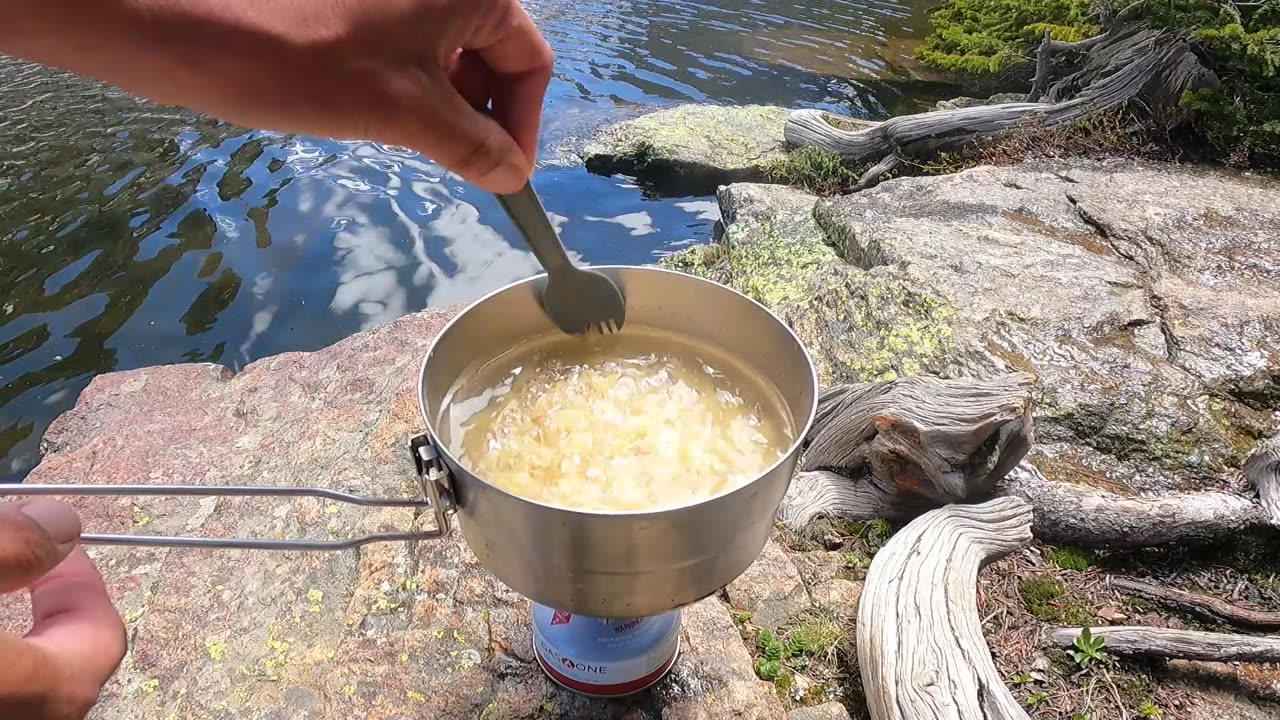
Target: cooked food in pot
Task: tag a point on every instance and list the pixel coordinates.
(641, 420)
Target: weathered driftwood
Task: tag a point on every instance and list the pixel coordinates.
(1130, 67)
(1083, 515)
(1176, 644)
(920, 643)
(1049, 48)
(1215, 607)
(1262, 469)
(900, 448)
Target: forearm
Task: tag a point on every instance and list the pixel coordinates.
(172, 51)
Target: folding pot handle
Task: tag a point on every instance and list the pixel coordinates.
(433, 479)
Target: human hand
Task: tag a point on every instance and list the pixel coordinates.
(405, 72)
(77, 639)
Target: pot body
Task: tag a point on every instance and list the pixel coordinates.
(621, 564)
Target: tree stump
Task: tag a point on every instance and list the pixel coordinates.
(900, 448)
(920, 643)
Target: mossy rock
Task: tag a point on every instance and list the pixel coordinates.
(691, 149)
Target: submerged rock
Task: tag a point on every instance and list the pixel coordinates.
(691, 149)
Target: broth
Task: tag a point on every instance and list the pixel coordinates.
(640, 420)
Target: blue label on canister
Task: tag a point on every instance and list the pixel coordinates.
(605, 656)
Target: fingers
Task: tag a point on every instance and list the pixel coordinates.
(75, 623)
(522, 60)
(448, 129)
(34, 537)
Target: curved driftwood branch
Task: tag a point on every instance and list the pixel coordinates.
(1130, 66)
(1262, 470)
(1205, 604)
(1176, 644)
(872, 176)
(1083, 515)
(920, 643)
(909, 445)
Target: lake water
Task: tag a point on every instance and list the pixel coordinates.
(134, 235)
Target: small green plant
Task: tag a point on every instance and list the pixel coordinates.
(772, 653)
(1088, 649)
(855, 560)
(1071, 558)
(1082, 716)
(875, 533)
(770, 646)
(1036, 700)
(742, 617)
(818, 171)
(1149, 709)
(816, 637)
(768, 670)
(1022, 679)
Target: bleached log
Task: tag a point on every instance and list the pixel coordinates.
(1175, 644)
(920, 642)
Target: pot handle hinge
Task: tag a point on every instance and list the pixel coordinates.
(433, 479)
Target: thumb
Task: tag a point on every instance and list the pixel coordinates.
(34, 537)
(466, 141)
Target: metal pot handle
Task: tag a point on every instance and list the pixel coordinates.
(433, 479)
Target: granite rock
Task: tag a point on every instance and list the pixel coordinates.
(770, 589)
(390, 630)
(825, 711)
(837, 596)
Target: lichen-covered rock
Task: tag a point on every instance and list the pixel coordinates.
(691, 149)
(1146, 298)
(771, 589)
(388, 631)
(1095, 277)
(857, 325)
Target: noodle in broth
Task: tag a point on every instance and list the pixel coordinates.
(640, 420)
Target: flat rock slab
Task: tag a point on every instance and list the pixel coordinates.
(691, 149)
(825, 711)
(770, 589)
(387, 631)
(1146, 298)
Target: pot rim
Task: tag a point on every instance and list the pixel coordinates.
(802, 431)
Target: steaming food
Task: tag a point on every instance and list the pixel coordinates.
(636, 421)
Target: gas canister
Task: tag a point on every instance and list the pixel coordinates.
(605, 657)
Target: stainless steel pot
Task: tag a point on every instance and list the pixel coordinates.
(601, 564)
(621, 564)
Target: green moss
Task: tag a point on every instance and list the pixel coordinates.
(1069, 557)
(1038, 592)
(1149, 709)
(815, 170)
(1046, 599)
